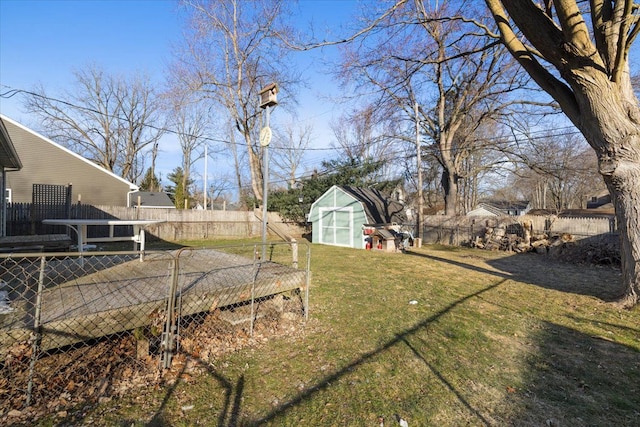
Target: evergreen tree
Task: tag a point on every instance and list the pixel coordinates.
(178, 192)
(150, 182)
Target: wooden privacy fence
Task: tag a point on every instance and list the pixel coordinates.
(180, 224)
(462, 229)
(577, 226)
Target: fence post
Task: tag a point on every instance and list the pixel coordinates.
(307, 284)
(253, 285)
(36, 336)
(294, 251)
(169, 328)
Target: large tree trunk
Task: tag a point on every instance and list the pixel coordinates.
(450, 188)
(610, 124)
(625, 191)
(593, 89)
(619, 163)
(255, 168)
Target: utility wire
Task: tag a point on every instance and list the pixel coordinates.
(11, 92)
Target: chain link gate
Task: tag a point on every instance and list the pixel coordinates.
(75, 331)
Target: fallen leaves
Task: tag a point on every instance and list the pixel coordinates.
(97, 372)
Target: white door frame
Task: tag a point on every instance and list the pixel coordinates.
(321, 213)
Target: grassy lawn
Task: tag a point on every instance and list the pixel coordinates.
(442, 336)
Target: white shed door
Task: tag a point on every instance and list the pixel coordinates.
(336, 226)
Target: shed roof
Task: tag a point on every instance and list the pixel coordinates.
(150, 199)
(378, 208)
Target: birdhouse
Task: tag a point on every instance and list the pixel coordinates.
(268, 96)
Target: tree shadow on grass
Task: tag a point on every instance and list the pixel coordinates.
(577, 379)
(540, 270)
(400, 339)
(569, 377)
(228, 414)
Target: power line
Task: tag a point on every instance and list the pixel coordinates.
(11, 92)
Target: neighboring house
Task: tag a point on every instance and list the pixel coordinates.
(150, 200)
(601, 200)
(10, 162)
(46, 162)
(500, 208)
(339, 217)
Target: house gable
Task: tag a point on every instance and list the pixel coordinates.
(500, 207)
(485, 210)
(9, 159)
(46, 162)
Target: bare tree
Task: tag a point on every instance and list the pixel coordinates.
(462, 82)
(190, 120)
(363, 135)
(112, 121)
(578, 52)
(288, 151)
(559, 168)
(230, 53)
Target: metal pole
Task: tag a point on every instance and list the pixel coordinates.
(205, 177)
(253, 291)
(265, 183)
(420, 195)
(307, 284)
(37, 331)
(168, 335)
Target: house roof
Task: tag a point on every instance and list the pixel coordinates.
(378, 208)
(8, 156)
(485, 209)
(6, 119)
(150, 199)
(505, 205)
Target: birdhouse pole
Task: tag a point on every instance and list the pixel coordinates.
(268, 98)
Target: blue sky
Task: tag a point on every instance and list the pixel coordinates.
(44, 41)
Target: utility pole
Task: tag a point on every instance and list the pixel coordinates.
(418, 238)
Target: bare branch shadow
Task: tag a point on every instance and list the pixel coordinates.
(399, 339)
(548, 273)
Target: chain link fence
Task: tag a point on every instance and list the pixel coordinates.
(78, 328)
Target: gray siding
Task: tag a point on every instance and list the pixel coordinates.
(45, 162)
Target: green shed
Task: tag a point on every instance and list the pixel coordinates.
(340, 216)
